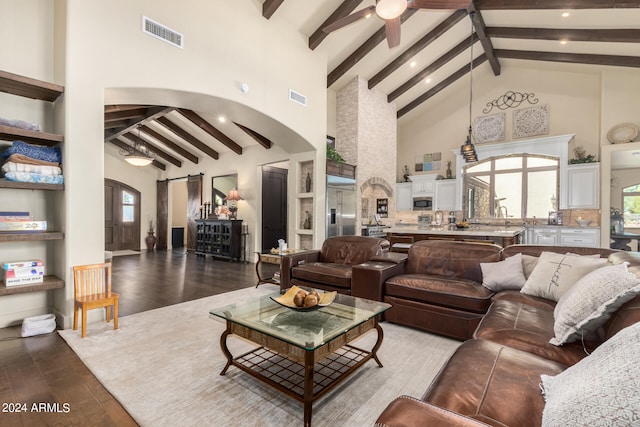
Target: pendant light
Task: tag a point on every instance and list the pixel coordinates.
(468, 150)
(138, 154)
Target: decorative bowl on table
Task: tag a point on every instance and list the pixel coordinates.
(288, 299)
(583, 222)
(462, 225)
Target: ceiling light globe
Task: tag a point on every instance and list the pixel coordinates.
(390, 9)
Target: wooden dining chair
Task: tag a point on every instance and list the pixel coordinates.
(93, 290)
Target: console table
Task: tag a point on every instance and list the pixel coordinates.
(220, 238)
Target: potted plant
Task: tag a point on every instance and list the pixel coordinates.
(151, 239)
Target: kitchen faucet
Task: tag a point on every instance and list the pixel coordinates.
(506, 215)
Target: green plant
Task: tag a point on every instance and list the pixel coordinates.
(581, 156)
(332, 154)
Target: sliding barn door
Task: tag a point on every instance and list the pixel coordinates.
(162, 214)
(194, 201)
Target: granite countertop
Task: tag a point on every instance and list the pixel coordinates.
(490, 231)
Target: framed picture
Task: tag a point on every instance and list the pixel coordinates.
(531, 121)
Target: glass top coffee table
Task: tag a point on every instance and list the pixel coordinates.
(302, 354)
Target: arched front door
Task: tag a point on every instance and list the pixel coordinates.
(121, 216)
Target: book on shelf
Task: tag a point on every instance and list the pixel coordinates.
(22, 264)
(15, 216)
(24, 280)
(18, 214)
(23, 272)
(23, 226)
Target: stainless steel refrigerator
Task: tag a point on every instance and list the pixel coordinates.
(341, 206)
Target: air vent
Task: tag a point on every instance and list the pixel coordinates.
(297, 97)
(161, 32)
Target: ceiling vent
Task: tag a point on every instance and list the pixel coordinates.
(297, 97)
(161, 32)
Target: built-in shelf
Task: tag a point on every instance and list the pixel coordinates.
(30, 185)
(28, 87)
(50, 282)
(8, 133)
(304, 231)
(30, 237)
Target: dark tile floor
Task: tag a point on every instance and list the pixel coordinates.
(43, 370)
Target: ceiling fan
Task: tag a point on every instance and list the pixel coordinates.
(391, 10)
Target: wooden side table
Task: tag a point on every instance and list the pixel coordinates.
(269, 258)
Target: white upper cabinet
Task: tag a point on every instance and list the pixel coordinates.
(445, 195)
(423, 185)
(404, 198)
(583, 186)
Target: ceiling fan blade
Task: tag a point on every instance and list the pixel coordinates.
(439, 4)
(343, 22)
(392, 29)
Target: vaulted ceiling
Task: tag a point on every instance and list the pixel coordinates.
(433, 52)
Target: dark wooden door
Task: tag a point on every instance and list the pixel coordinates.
(274, 206)
(162, 214)
(194, 201)
(121, 216)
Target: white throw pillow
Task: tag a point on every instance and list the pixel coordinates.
(556, 273)
(591, 301)
(601, 389)
(502, 275)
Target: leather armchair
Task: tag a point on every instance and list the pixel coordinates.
(329, 268)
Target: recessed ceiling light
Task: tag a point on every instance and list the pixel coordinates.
(222, 119)
(566, 14)
(413, 64)
(427, 80)
(564, 41)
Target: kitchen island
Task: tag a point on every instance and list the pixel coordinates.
(503, 236)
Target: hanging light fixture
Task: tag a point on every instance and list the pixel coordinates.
(138, 154)
(468, 150)
(390, 9)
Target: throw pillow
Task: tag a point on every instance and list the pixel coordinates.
(502, 275)
(601, 389)
(556, 273)
(591, 301)
(529, 262)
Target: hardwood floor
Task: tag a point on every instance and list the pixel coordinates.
(44, 370)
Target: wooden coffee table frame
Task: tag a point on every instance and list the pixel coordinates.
(305, 375)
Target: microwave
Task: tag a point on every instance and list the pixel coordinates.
(422, 203)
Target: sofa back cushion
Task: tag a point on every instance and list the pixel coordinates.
(350, 250)
(451, 259)
(536, 250)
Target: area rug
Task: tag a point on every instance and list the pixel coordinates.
(163, 366)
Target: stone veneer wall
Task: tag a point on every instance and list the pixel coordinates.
(366, 136)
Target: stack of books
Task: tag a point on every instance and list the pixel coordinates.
(20, 222)
(23, 272)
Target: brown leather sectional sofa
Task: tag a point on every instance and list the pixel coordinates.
(494, 378)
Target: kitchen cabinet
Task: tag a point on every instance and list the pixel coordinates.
(583, 237)
(404, 198)
(43, 91)
(423, 185)
(542, 236)
(583, 186)
(445, 195)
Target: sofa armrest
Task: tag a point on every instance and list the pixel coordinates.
(393, 257)
(407, 411)
(289, 261)
(367, 279)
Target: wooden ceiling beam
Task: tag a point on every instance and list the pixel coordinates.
(172, 145)
(443, 84)
(262, 140)
(151, 115)
(581, 35)
(124, 114)
(373, 41)
(343, 10)
(121, 144)
(418, 46)
(487, 46)
(188, 137)
(115, 125)
(123, 107)
(576, 58)
(211, 130)
(156, 149)
(269, 7)
(554, 4)
(431, 68)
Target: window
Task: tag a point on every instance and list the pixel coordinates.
(631, 206)
(518, 186)
(128, 204)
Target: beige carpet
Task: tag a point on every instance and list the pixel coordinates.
(163, 366)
